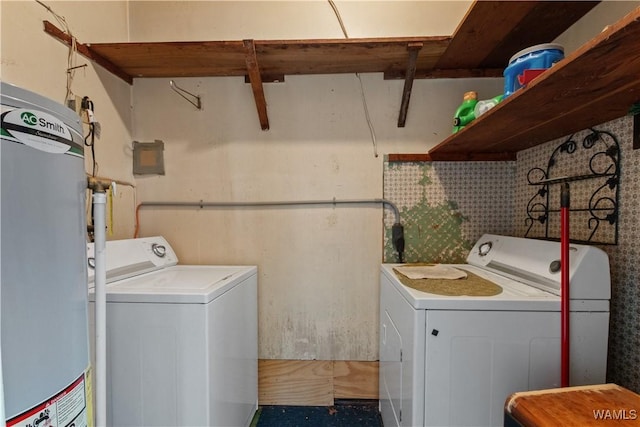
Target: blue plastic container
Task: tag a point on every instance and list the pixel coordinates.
(539, 57)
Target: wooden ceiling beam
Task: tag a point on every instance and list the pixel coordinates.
(451, 73)
(413, 49)
(85, 50)
(543, 24)
(493, 31)
(450, 157)
(253, 71)
(474, 38)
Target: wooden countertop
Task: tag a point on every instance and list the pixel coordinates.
(597, 405)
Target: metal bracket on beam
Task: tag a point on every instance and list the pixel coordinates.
(256, 82)
(413, 49)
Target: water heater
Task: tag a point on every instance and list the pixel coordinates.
(43, 293)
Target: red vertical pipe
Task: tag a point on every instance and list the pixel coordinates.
(564, 284)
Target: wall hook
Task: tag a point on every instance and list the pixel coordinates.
(197, 103)
(69, 70)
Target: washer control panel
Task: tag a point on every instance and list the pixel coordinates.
(132, 257)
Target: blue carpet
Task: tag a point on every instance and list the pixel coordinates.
(340, 415)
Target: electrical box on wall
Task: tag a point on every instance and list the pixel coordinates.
(148, 158)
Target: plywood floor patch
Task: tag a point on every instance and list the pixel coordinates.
(315, 382)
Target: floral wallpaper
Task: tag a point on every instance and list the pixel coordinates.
(446, 206)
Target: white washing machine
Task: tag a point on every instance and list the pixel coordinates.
(453, 360)
(182, 341)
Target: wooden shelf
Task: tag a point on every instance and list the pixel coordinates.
(481, 47)
(598, 82)
(276, 58)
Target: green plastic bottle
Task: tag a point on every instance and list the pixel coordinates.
(465, 114)
(487, 104)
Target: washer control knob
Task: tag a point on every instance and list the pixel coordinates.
(159, 250)
(484, 248)
(92, 263)
(555, 266)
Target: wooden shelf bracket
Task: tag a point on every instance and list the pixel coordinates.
(413, 49)
(253, 71)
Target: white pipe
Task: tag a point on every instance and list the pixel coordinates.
(99, 214)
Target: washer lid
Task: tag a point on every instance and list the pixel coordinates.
(178, 284)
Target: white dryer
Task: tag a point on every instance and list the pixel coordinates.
(453, 360)
(181, 340)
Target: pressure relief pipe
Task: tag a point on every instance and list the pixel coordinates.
(564, 285)
(99, 222)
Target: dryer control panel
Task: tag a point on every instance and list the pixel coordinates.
(537, 263)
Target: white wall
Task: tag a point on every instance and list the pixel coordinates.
(318, 283)
(36, 61)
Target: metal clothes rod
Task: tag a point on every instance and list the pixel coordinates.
(203, 204)
(397, 237)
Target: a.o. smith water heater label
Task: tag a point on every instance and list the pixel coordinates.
(39, 130)
(67, 408)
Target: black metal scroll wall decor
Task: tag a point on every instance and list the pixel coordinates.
(592, 169)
